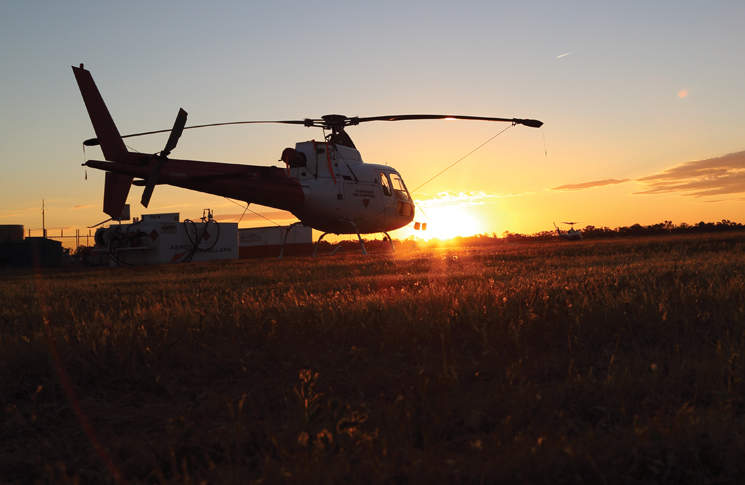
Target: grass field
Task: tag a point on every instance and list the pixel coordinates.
(593, 362)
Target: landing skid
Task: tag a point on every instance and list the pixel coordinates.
(315, 251)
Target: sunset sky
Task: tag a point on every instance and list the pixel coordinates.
(643, 103)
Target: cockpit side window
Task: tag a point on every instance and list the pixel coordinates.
(386, 184)
(399, 188)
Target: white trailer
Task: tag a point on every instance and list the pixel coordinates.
(162, 238)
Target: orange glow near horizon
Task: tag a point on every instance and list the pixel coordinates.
(451, 221)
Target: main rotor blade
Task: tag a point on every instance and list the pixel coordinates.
(530, 123)
(342, 121)
(94, 141)
(178, 128)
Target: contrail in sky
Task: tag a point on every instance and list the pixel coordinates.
(564, 55)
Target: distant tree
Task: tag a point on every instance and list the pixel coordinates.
(543, 235)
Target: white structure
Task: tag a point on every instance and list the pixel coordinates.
(162, 238)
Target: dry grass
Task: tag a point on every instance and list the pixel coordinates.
(590, 362)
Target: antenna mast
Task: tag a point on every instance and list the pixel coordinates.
(43, 220)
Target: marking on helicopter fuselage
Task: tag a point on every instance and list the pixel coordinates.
(367, 193)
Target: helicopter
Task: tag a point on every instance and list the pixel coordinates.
(572, 234)
(324, 184)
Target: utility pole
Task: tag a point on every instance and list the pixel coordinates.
(43, 220)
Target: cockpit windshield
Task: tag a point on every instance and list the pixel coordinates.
(399, 188)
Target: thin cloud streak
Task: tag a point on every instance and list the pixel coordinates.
(460, 198)
(176, 206)
(267, 217)
(589, 185)
(564, 55)
(736, 199)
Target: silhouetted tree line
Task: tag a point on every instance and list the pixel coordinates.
(507, 237)
(666, 227)
(661, 228)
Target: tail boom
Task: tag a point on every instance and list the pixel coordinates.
(267, 186)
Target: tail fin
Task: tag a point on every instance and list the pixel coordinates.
(117, 185)
(108, 135)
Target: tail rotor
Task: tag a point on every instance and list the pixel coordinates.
(152, 180)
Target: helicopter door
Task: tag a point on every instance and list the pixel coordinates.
(388, 199)
(386, 184)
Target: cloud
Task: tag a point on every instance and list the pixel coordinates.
(714, 176)
(564, 55)
(720, 200)
(18, 211)
(56, 231)
(82, 206)
(589, 185)
(267, 217)
(176, 206)
(460, 198)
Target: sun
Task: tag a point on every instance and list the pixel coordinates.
(448, 222)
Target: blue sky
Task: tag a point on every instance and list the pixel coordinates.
(628, 91)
